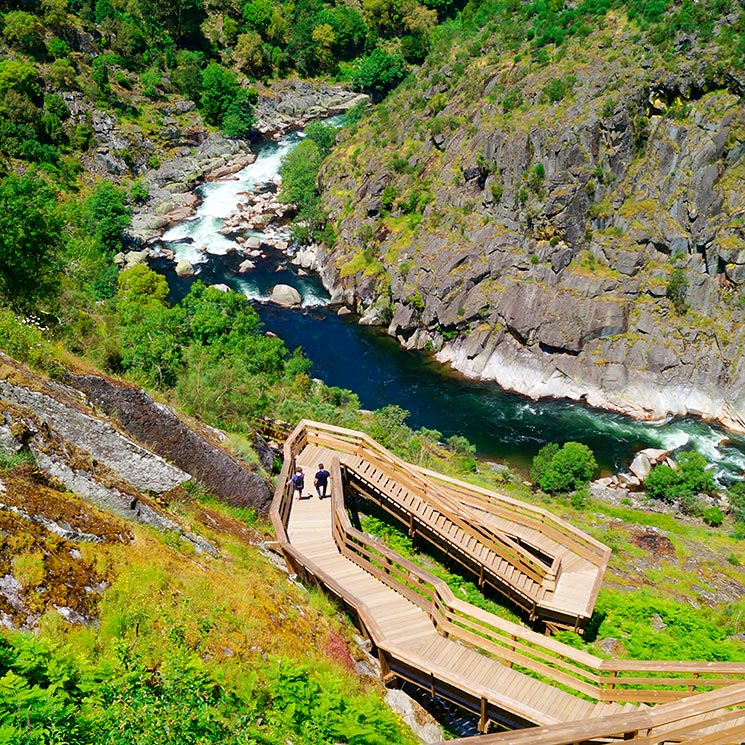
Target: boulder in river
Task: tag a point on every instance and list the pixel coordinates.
(286, 296)
(222, 287)
(246, 266)
(184, 269)
(135, 257)
(641, 466)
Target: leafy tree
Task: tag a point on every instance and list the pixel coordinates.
(299, 171)
(181, 20)
(249, 53)
(736, 495)
(349, 29)
(20, 77)
(378, 73)
(224, 103)
(389, 426)
(22, 31)
(62, 74)
(563, 469)
(108, 214)
(30, 239)
(542, 460)
(324, 135)
(188, 74)
(259, 15)
(141, 285)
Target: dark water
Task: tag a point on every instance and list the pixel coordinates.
(502, 425)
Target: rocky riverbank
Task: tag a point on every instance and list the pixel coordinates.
(171, 187)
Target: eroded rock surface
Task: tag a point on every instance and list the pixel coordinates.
(197, 453)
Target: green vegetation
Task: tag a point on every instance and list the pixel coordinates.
(188, 654)
(299, 171)
(378, 73)
(563, 469)
(652, 628)
(683, 483)
(677, 286)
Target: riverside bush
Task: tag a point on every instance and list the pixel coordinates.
(683, 483)
(560, 470)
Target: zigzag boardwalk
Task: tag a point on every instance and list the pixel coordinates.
(425, 635)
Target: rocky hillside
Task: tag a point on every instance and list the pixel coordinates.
(566, 220)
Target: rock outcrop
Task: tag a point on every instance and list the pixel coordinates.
(587, 244)
(197, 453)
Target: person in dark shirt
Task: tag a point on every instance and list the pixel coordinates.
(321, 481)
(298, 482)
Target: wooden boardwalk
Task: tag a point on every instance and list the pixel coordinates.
(540, 563)
(423, 634)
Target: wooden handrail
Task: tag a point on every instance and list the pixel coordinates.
(580, 671)
(531, 516)
(361, 445)
(671, 722)
(539, 518)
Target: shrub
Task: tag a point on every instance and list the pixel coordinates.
(557, 88)
(563, 469)
(683, 483)
(713, 516)
(677, 286)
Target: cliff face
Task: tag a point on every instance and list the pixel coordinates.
(568, 229)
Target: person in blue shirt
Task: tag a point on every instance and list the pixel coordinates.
(321, 481)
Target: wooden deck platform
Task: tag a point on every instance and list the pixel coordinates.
(503, 672)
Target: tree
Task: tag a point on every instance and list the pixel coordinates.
(188, 74)
(563, 469)
(108, 214)
(22, 31)
(389, 426)
(249, 53)
(378, 73)
(299, 170)
(224, 104)
(140, 284)
(30, 239)
(324, 135)
(543, 460)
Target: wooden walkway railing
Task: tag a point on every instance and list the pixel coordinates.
(583, 673)
(527, 574)
(713, 718)
(517, 647)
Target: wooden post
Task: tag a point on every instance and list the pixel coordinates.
(484, 718)
(696, 677)
(386, 673)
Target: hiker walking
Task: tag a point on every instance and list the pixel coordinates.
(321, 481)
(298, 482)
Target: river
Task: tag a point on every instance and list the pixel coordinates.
(503, 426)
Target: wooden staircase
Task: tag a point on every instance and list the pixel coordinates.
(540, 563)
(505, 673)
